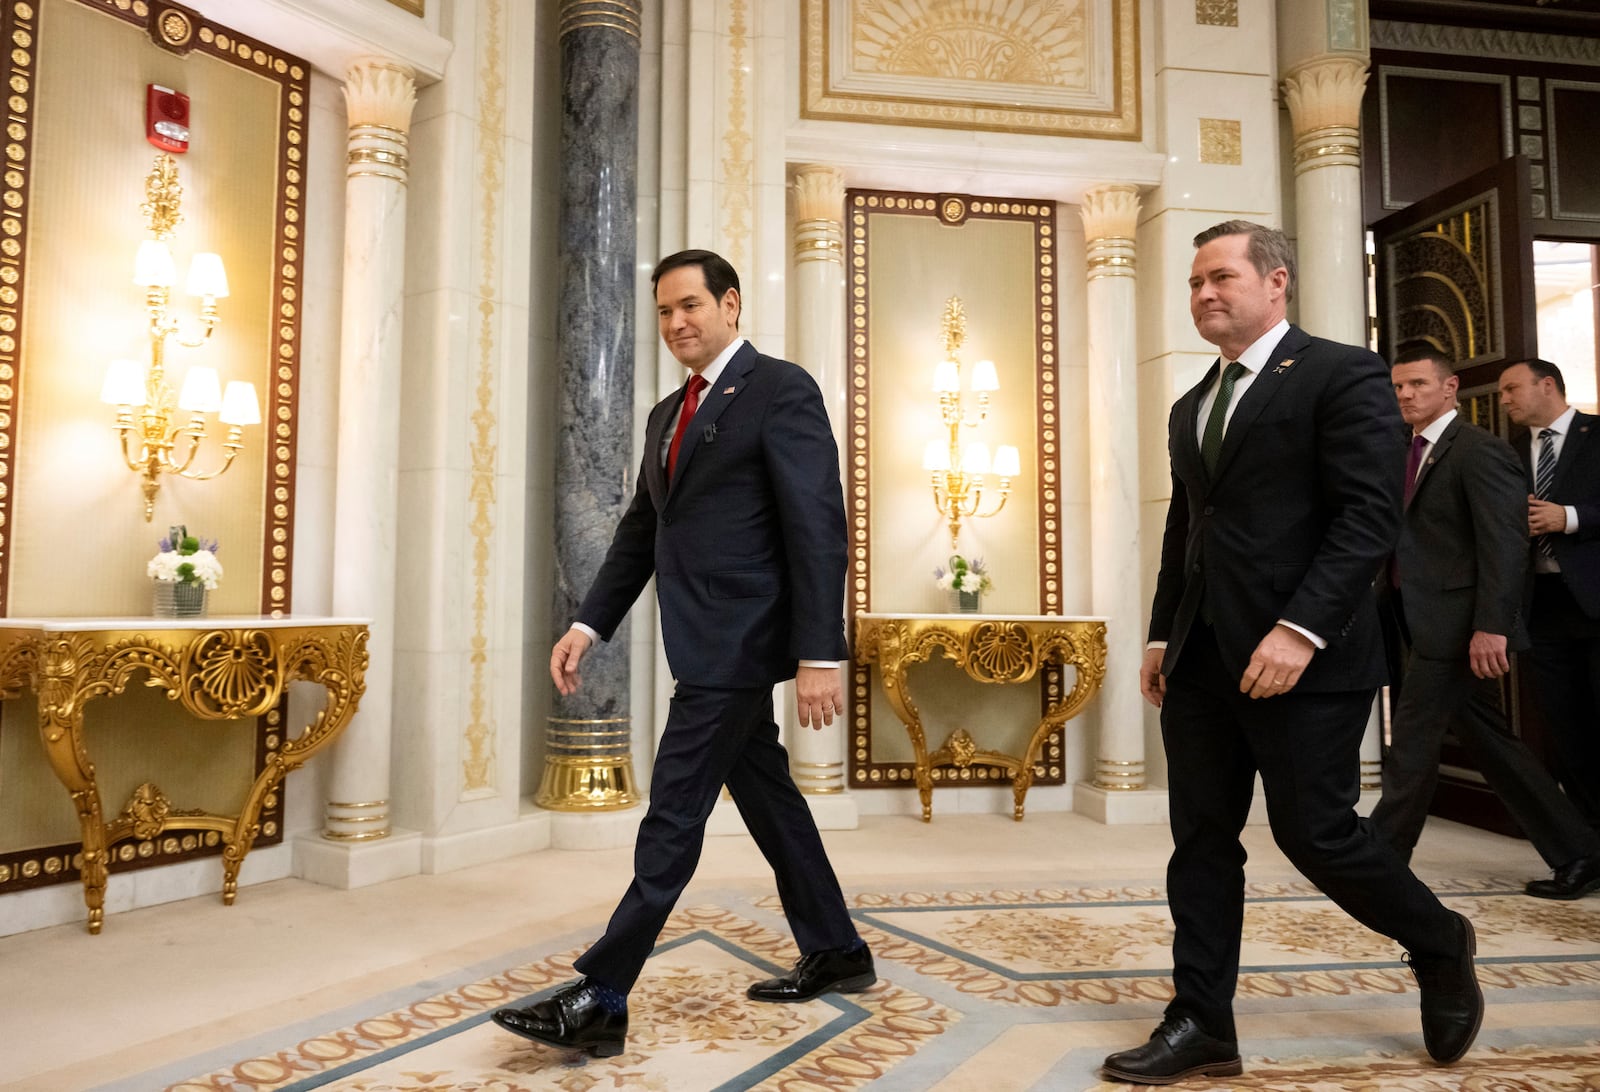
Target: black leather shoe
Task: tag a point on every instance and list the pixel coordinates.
(1177, 1049)
(832, 971)
(572, 1017)
(1573, 880)
(1452, 1002)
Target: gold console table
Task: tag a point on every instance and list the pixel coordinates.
(216, 669)
(991, 649)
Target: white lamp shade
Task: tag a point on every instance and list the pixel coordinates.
(984, 377)
(239, 405)
(975, 459)
(152, 266)
(1007, 463)
(946, 377)
(936, 456)
(206, 276)
(124, 385)
(200, 393)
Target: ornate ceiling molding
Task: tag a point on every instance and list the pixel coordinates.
(1484, 42)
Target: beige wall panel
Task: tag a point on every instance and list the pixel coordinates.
(79, 539)
(917, 263)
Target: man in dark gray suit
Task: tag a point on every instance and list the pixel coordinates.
(1456, 595)
(1265, 651)
(739, 515)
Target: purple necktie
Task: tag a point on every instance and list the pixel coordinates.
(1419, 444)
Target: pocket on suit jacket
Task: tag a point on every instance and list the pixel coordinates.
(1456, 579)
(744, 583)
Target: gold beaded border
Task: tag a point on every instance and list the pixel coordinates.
(952, 210)
(41, 866)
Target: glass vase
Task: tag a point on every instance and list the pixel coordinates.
(962, 602)
(176, 599)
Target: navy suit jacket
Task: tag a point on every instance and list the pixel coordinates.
(747, 541)
(1302, 513)
(1463, 550)
(1578, 484)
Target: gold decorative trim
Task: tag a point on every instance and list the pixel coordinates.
(823, 96)
(950, 209)
(589, 720)
(737, 165)
(1325, 92)
(415, 7)
(481, 731)
(1221, 142)
(358, 807)
(397, 160)
(1216, 13)
(1333, 146)
(355, 835)
(623, 15)
(576, 783)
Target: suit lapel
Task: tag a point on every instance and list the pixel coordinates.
(655, 473)
(1441, 446)
(1186, 444)
(1263, 389)
(1579, 436)
(702, 430)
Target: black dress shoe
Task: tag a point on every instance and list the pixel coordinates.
(1573, 880)
(1452, 1002)
(832, 971)
(1178, 1048)
(571, 1017)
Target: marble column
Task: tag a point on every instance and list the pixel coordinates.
(1110, 216)
(817, 757)
(588, 742)
(1324, 97)
(379, 96)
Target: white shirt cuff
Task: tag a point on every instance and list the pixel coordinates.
(1154, 644)
(587, 631)
(819, 663)
(1572, 520)
(1306, 633)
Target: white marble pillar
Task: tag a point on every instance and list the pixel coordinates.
(1324, 97)
(379, 96)
(817, 757)
(1110, 216)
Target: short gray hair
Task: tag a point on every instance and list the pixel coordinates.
(1269, 248)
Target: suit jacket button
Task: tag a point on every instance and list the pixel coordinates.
(1196, 568)
(666, 519)
(1208, 510)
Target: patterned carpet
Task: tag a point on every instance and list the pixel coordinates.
(979, 990)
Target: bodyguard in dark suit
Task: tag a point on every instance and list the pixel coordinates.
(1562, 457)
(739, 515)
(1265, 651)
(1458, 579)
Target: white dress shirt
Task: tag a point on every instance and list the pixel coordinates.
(1560, 427)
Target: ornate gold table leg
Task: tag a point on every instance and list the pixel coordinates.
(62, 690)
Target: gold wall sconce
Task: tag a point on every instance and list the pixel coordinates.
(155, 440)
(956, 468)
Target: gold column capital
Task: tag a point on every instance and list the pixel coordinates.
(819, 193)
(1324, 97)
(1110, 217)
(1110, 210)
(380, 93)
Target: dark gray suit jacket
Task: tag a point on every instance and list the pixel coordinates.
(1298, 519)
(1578, 484)
(1463, 549)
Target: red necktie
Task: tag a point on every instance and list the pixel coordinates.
(691, 402)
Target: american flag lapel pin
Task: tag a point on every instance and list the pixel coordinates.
(727, 390)
(1283, 366)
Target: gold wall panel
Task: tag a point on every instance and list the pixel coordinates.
(907, 254)
(73, 539)
(1057, 67)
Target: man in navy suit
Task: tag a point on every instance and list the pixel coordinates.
(739, 515)
(1562, 457)
(1455, 596)
(1265, 651)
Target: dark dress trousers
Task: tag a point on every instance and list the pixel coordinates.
(748, 547)
(1462, 561)
(1301, 513)
(1564, 621)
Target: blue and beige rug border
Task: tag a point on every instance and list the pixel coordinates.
(997, 978)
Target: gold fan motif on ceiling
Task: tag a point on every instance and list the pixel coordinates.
(1037, 42)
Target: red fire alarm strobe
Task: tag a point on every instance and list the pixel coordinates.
(166, 118)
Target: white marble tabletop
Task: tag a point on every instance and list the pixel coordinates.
(147, 622)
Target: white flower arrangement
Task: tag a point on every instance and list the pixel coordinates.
(184, 559)
(966, 576)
